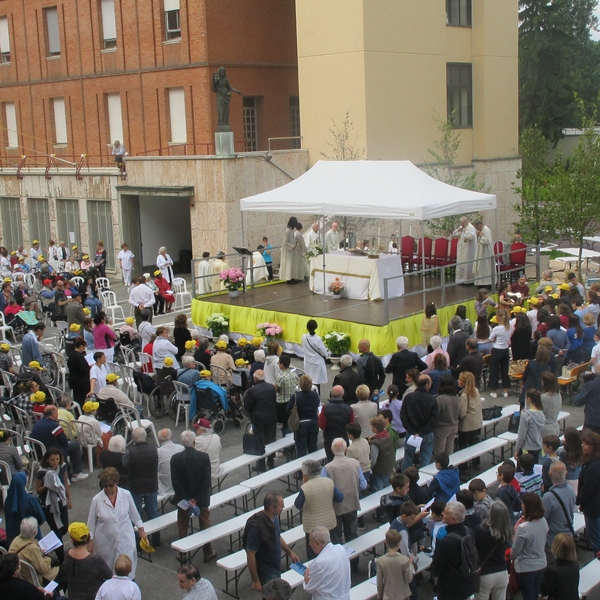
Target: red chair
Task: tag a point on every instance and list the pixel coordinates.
(407, 248)
(453, 251)
(516, 260)
(417, 261)
(440, 254)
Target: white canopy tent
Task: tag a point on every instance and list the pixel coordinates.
(376, 189)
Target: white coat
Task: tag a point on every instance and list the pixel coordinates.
(260, 268)
(465, 252)
(204, 285)
(485, 251)
(314, 358)
(165, 264)
(161, 349)
(111, 527)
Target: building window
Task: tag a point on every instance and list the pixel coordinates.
(178, 133)
(172, 24)
(458, 13)
(295, 120)
(100, 227)
(60, 121)
(12, 232)
(115, 121)
(10, 115)
(459, 82)
(4, 40)
(52, 32)
(39, 220)
(109, 25)
(250, 129)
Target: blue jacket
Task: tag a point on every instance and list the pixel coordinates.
(445, 484)
(589, 396)
(217, 391)
(51, 434)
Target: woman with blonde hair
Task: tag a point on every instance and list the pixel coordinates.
(561, 578)
(500, 338)
(470, 418)
(364, 410)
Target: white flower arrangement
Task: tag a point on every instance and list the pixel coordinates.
(337, 342)
(218, 323)
(314, 250)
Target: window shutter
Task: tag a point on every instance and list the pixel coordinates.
(171, 5)
(60, 120)
(11, 124)
(109, 25)
(4, 37)
(177, 115)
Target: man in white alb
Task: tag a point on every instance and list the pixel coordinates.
(312, 235)
(485, 252)
(126, 257)
(465, 251)
(203, 283)
(332, 239)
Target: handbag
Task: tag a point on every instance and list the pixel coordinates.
(294, 420)
(513, 422)
(251, 443)
(567, 370)
(491, 412)
(517, 367)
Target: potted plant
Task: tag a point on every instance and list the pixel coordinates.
(270, 331)
(233, 279)
(218, 323)
(338, 343)
(336, 287)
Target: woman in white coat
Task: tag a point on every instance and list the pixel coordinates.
(165, 263)
(111, 520)
(314, 355)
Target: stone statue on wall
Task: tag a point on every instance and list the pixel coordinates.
(223, 89)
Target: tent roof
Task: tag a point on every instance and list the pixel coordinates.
(377, 189)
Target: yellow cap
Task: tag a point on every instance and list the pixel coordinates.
(535, 301)
(4, 347)
(7, 280)
(74, 248)
(145, 546)
(555, 296)
(240, 362)
(242, 342)
(257, 341)
(41, 258)
(87, 311)
(112, 377)
(168, 362)
(494, 319)
(78, 531)
(85, 256)
(129, 320)
(564, 286)
(190, 345)
(35, 242)
(89, 406)
(221, 345)
(205, 373)
(74, 327)
(38, 397)
(13, 252)
(548, 288)
(34, 364)
(157, 273)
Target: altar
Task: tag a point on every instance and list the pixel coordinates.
(363, 276)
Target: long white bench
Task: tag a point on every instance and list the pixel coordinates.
(247, 460)
(589, 577)
(491, 424)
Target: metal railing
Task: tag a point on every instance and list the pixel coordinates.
(190, 149)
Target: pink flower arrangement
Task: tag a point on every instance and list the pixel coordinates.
(233, 278)
(270, 330)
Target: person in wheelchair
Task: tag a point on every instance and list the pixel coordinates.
(111, 391)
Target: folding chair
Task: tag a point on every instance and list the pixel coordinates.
(85, 432)
(109, 299)
(180, 291)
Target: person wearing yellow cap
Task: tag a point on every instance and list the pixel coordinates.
(190, 346)
(241, 350)
(163, 348)
(93, 436)
(532, 313)
(85, 264)
(223, 360)
(74, 330)
(164, 289)
(128, 332)
(35, 251)
(85, 571)
(6, 361)
(38, 400)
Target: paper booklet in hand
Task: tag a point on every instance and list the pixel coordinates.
(50, 542)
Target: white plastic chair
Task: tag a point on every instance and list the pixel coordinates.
(32, 572)
(24, 422)
(132, 421)
(63, 328)
(146, 361)
(6, 328)
(181, 293)
(4, 473)
(61, 363)
(77, 280)
(85, 432)
(29, 279)
(109, 300)
(103, 283)
(182, 397)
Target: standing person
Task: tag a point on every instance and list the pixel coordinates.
(551, 404)
(448, 405)
(111, 520)
(165, 264)
(141, 298)
(588, 491)
(483, 268)
(267, 254)
(191, 476)
(196, 587)
(203, 280)
(349, 379)
(500, 338)
(98, 373)
(287, 268)
(104, 336)
(328, 577)
(534, 372)
(559, 503)
(333, 418)
(126, 263)
(141, 462)
(394, 571)
(430, 325)
(528, 550)
(370, 368)
(263, 542)
(401, 362)
(447, 558)
(315, 354)
(470, 417)
(588, 397)
(166, 450)
(209, 442)
(54, 492)
(382, 454)
(465, 251)
(312, 235)
(218, 267)
(286, 385)
(100, 260)
(364, 410)
(332, 239)
(301, 266)
(492, 538)
(79, 371)
(530, 426)
(419, 417)
(561, 578)
(260, 402)
(473, 362)
(307, 402)
(181, 334)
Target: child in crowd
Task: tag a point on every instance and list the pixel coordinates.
(482, 501)
(408, 516)
(530, 478)
(394, 570)
(466, 498)
(415, 491)
(447, 481)
(437, 528)
(390, 504)
(386, 413)
(360, 450)
(506, 491)
(550, 445)
(395, 405)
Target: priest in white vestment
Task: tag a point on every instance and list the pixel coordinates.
(312, 235)
(465, 251)
(332, 239)
(203, 283)
(218, 267)
(260, 272)
(485, 250)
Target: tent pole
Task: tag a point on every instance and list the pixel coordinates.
(244, 245)
(423, 260)
(494, 278)
(322, 230)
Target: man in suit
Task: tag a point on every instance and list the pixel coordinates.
(457, 349)
(472, 362)
(402, 361)
(190, 474)
(349, 379)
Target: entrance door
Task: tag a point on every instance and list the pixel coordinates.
(130, 223)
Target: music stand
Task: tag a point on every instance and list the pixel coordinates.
(244, 252)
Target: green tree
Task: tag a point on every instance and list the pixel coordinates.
(557, 57)
(444, 152)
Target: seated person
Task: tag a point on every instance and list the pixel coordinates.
(447, 481)
(188, 374)
(94, 437)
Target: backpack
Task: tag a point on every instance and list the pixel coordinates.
(469, 560)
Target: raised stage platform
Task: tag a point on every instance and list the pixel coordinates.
(292, 305)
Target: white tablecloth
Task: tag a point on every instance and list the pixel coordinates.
(363, 276)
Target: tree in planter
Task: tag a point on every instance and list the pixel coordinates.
(445, 151)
